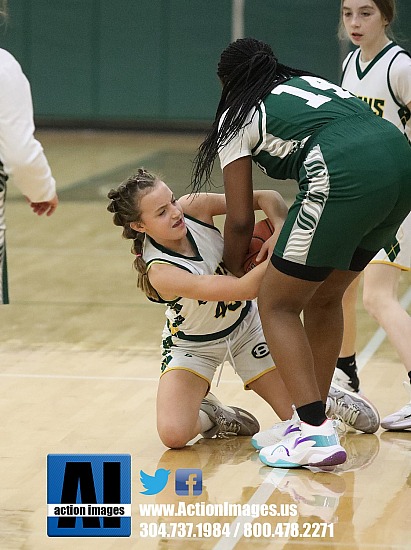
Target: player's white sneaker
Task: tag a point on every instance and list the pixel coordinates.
(228, 420)
(348, 407)
(313, 446)
(400, 420)
(353, 409)
(276, 433)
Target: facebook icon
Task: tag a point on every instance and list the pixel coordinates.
(189, 482)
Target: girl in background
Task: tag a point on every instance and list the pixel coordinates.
(379, 72)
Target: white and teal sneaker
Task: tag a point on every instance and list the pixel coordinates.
(276, 433)
(314, 446)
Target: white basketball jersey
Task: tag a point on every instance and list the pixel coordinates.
(377, 83)
(197, 320)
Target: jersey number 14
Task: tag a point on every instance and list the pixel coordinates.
(312, 99)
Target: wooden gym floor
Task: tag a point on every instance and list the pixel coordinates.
(79, 364)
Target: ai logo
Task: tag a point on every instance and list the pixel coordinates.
(89, 495)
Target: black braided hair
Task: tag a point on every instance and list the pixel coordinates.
(248, 70)
(125, 205)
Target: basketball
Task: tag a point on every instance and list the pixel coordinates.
(262, 231)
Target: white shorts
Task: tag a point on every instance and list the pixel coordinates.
(245, 349)
(400, 254)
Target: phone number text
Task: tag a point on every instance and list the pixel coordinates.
(236, 529)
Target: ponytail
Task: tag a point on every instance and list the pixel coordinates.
(125, 205)
(143, 282)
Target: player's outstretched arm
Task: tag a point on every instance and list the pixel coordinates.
(172, 282)
(204, 206)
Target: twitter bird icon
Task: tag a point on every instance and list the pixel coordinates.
(156, 483)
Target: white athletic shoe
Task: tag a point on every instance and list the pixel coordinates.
(400, 420)
(276, 433)
(228, 420)
(348, 409)
(314, 446)
(353, 409)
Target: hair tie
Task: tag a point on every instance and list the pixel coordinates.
(138, 255)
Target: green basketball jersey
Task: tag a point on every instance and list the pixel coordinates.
(277, 131)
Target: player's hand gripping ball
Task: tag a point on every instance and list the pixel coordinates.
(262, 232)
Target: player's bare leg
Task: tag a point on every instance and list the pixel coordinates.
(305, 355)
(185, 411)
(272, 389)
(179, 397)
(380, 297)
(324, 312)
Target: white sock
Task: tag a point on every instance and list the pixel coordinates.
(206, 423)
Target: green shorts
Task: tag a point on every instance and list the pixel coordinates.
(355, 190)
